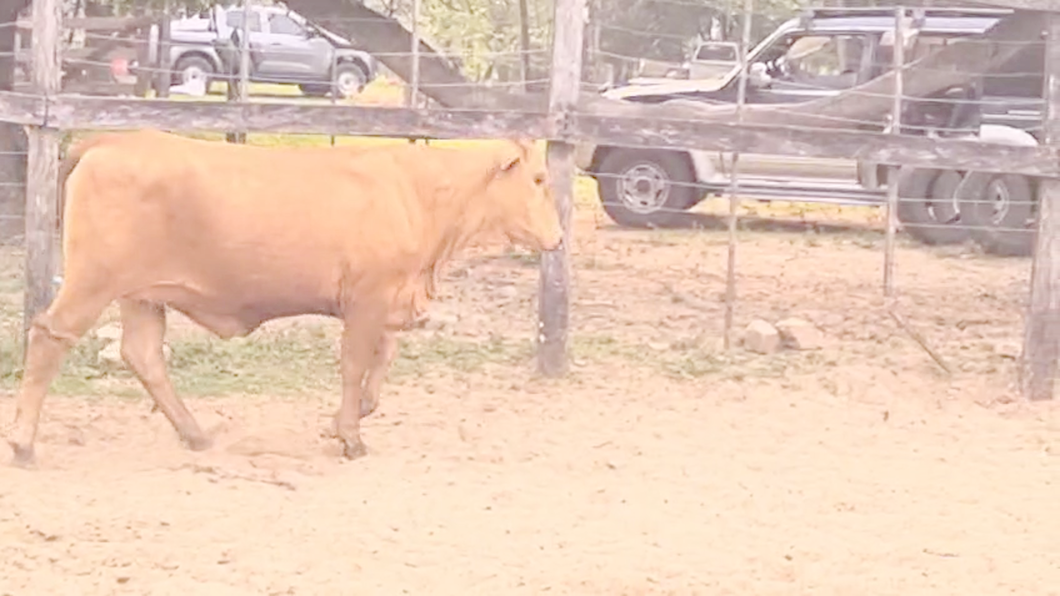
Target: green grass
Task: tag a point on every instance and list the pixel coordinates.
(303, 360)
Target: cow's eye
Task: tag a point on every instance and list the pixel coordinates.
(539, 180)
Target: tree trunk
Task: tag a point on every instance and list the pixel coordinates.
(12, 137)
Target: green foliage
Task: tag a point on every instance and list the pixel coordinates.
(665, 30)
(483, 34)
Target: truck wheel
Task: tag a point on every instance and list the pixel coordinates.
(348, 80)
(1001, 211)
(927, 206)
(190, 68)
(641, 188)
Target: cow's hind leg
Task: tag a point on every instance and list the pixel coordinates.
(143, 331)
(385, 352)
(51, 335)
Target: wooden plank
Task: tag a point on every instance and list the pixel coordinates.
(21, 108)
(108, 113)
(97, 23)
(42, 173)
(554, 285)
(1041, 340)
(69, 112)
(809, 142)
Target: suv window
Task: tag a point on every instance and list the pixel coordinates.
(234, 19)
(716, 52)
(285, 25)
(821, 61)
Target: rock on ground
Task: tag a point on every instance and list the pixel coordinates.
(761, 337)
(799, 334)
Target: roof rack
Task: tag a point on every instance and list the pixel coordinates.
(860, 11)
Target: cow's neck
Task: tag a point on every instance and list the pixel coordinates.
(458, 212)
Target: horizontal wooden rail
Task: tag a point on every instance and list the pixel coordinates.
(650, 129)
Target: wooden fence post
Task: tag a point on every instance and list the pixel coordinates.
(554, 288)
(42, 169)
(239, 90)
(898, 63)
(1041, 340)
(164, 76)
(412, 90)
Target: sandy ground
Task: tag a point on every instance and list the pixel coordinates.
(660, 466)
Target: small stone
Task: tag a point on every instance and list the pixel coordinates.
(799, 334)
(109, 332)
(761, 337)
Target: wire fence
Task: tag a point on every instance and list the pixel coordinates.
(809, 239)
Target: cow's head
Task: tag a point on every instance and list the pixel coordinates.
(520, 197)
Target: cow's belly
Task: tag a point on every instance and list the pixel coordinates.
(234, 313)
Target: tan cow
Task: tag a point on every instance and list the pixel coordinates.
(233, 236)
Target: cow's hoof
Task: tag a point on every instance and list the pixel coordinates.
(198, 443)
(22, 456)
(354, 450)
(368, 406)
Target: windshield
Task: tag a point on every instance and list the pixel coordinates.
(716, 52)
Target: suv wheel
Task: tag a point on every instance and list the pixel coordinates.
(191, 68)
(928, 206)
(1001, 211)
(349, 80)
(646, 188)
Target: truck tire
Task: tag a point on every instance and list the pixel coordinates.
(641, 188)
(189, 67)
(927, 206)
(1001, 210)
(348, 80)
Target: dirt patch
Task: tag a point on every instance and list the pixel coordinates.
(662, 465)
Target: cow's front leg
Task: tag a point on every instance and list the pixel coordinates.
(361, 335)
(384, 356)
